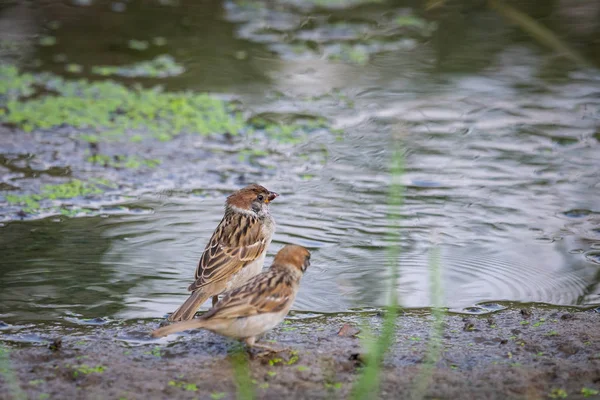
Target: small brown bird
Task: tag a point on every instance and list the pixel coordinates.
(236, 251)
(257, 306)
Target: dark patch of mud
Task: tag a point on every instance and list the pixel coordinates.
(535, 353)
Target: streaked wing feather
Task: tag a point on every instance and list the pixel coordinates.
(236, 242)
(266, 293)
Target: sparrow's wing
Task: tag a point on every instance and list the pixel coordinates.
(268, 292)
(237, 241)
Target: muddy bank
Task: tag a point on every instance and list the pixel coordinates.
(532, 353)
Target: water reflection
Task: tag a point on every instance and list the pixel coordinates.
(54, 268)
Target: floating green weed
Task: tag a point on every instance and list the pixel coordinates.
(74, 188)
(123, 161)
(411, 21)
(74, 68)
(354, 54)
(159, 41)
(14, 84)
(159, 67)
(139, 45)
(217, 395)
(362, 37)
(340, 3)
(112, 110)
(47, 41)
(286, 128)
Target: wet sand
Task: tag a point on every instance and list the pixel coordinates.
(530, 353)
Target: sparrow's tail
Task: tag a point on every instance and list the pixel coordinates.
(178, 327)
(188, 309)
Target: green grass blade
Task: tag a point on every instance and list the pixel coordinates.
(367, 385)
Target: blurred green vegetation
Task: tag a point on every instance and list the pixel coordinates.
(75, 188)
(106, 110)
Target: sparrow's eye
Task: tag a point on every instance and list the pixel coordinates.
(260, 197)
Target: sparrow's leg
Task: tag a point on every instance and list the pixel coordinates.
(215, 300)
(251, 343)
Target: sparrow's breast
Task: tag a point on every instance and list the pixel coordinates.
(268, 227)
(248, 271)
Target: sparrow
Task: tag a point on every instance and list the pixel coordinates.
(236, 251)
(258, 305)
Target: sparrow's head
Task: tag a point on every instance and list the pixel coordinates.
(293, 256)
(253, 198)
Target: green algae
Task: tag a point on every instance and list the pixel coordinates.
(107, 110)
(352, 42)
(47, 41)
(160, 67)
(328, 4)
(123, 161)
(139, 45)
(14, 84)
(112, 109)
(74, 68)
(353, 54)
(31, 203)
(287, 128)
(159, 41)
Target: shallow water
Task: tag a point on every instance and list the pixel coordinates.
(502, 175)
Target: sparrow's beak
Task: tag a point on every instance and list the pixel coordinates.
(271, 197)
